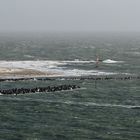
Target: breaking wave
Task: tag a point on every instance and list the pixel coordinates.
(109, 61)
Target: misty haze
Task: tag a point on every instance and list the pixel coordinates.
(69, 15)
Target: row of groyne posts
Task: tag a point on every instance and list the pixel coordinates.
(95, 78)
(17, 91)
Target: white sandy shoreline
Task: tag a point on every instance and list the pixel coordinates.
(25, 73)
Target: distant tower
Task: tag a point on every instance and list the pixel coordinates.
(97, 62)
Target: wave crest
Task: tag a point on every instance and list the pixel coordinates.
(109, 61)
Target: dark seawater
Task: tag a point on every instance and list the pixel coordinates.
(98, 111)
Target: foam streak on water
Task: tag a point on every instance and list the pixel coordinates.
(68, 102)
(99, 105)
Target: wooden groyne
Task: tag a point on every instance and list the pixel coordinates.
(94, 78)
(105, 78)
(25, 79)
(16, 91)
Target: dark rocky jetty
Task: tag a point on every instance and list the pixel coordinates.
(16, 91)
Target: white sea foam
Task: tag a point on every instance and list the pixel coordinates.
(109, 61)
(54, 66)
(79, 72)
(79, 61)
(28, 56)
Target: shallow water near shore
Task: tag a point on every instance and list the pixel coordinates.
(101, 110)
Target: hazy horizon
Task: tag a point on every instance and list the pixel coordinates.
(69, 16)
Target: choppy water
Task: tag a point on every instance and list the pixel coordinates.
(99, 111)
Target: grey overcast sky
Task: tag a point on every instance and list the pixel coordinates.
(69, 15)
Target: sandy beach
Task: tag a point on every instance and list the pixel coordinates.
(21, 72)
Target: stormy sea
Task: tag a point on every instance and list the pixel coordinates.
(105, 109)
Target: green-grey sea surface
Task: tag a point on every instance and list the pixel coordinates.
(102, 110)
